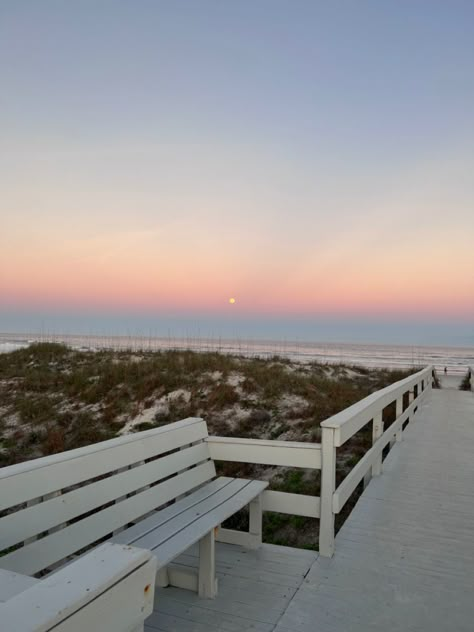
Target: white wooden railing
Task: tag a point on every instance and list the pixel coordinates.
(322, 456)
(262, 452)
(338, 429)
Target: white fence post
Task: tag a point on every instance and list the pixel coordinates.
(398, 412)
(377, 431)
(207, 566)
(328, 486)
(255, 522)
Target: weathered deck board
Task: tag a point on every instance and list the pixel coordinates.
(255, 588)
(404, 559)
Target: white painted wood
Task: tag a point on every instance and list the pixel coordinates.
(348, 485)
(182, 577)
(287, 453)
(199, 519)
(377, 432)
(231, 536)
(32, 538)
(154, 521)
(255, 522)
(163, 530)
(118, 500)
(17, 527)
(53, 548)
(207, 566)
(328, 484)
(13, 583)
(398, 412)
(26, 481)
(110, 589)
(367, 477)
(162, 577)
(352, 419)
(295, 504)
(182, 532)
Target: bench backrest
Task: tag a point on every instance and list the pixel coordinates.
(57, 506)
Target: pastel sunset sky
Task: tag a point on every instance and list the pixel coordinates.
(314, 160)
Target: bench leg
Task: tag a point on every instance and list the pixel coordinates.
(255, 522)
(207, 566)
(162, 579)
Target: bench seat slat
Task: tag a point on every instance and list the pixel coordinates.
(146, 525)
(53, 548)
(21, 525)
(166, 550)
(181, 520)
(29, 480)
(12, 584)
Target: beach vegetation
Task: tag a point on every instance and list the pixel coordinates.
(54, 398)
(466, 383)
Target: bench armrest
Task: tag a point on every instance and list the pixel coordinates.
(110, 589)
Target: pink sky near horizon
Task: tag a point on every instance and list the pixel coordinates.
(126, 271)
(303, 162)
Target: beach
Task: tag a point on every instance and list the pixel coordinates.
(456, 359)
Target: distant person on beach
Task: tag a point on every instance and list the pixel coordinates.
(445, 370)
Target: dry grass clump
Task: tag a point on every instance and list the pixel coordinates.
(466, 382)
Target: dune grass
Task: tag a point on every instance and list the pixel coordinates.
(53, 398)
(466, 383)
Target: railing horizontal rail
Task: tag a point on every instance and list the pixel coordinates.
(295, 504)
(348, 485)
(265, 452)
(352, 419)
(339, 428)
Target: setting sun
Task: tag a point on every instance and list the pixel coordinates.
(232, 301)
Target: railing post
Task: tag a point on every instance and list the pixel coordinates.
(398, 412)
(377, 431)
(328, 486)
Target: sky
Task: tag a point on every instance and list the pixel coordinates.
(313, 160)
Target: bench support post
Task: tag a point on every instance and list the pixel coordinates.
(207, 566)
(377, 432)
(162, 577)
(399, 411)
(255, 522)
(328, 486)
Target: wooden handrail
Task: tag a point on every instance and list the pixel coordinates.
(335, 432)
(352, 419)
(339, 428)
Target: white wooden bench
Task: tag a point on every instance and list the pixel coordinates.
(110, 589)
(155, 490)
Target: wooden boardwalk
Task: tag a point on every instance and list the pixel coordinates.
(255, 589)
(404, 559)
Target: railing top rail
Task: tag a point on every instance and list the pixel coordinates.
(351, 419)
(265, 451)
(271, 443)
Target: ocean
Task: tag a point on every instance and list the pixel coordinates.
(456, 359)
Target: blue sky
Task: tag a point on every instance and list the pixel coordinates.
(312, 159)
